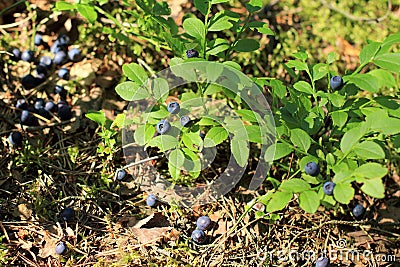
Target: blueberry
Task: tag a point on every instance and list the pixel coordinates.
(185, 121)
(68, 214)
(60, 248)
(203, 222)
(322, 262)
(15, 138)
(312, 169)
(74, 54)
(50, 106)
(29, 81)
(56, 47)
(163, 126)
(60, 57)
(192, 53)
(39, 103)
(120, 175)
(174, 108)
(198, 236)
(63, 40)
(358, 211)
(336, 82)
(16, 54)
(328, 188)
(21, 104)
(27, 118)
(38, 39)
(63, 73)
(46, 61)
(28, 56)
(151, 200)
(61, 103)
(58, 89)
(64, 113)
(202, 135)
(41, 71)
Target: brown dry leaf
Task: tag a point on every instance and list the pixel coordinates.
(126, 221)
(173, 235)
(49, 247)
(149, 236)
(389, 215)
(23, 212)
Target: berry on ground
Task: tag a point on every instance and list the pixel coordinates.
(198, 236)
(203, 222)
(60, 248)
(68, 214)
(151, 200)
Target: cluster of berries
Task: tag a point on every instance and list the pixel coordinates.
(203, 223)
(312, 169)
(163, 126)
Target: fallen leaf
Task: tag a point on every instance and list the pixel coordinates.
(152, 221)
(148, 236)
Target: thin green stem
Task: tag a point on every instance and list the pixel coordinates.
(246, 22)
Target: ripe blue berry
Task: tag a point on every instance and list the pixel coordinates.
(41, 71)
(63, 40)
(151, 200)
(29, 82)
(336, 82)
(312, 169)
(21, 104)
(328, 188)
(46, 61)
(56, 47)
(38, 40)
(39, 103)
(63, 73)
(173, 107)
(198, 236)
(60, 248)
(50, 106)
(185, 121)
(58, 89)
(358, 211)
(120, 175)
(203, 222)
(64, 113)
(16, 53)
(322, 262)
(74, 54)
(163, 126)
(192, 53)
(15, 138)
(68, 214)
(60, 57)
(28, 56)
(27, 118)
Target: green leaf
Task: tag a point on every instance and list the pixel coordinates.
(294, 185)
(343, 193)
(160, 89)
(192, 140)
(371, 170)
(331, 57)
(298, 65)
(281, 150)
(176, 158)
(202, 6)
(339, 118)
(300, 138)
(374, 188)
(364, 82)
(254, 5)
(135, 73)
(278, 201)
(219, 22)
(213, 2)
(131, 91)
(240, 150)
(304, 87)
(368, 52)
(389, 61)
(194, 27)
(246, 45)
(385, 78)
(389, 41)
(215, 136)
(265, 30)
(119, 121)
(97, 116)
(380, 121)
(369, 150)
(192, 161)
(350, 138)
(143, 134)
(62, 5)
(161, 9)
(319, 71)
(309, 201)
(249, 115)
(164, 142)
(87, 12)
(173, 170)
(217, 46)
